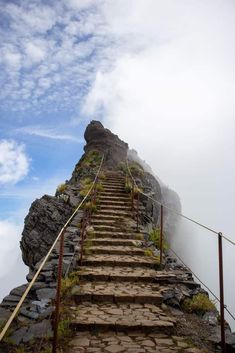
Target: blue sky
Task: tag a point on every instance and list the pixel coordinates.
(160, 74)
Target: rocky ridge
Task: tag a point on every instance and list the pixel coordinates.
(114, 262)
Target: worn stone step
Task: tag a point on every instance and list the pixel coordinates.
(115, 207)
(117, 221)
(117, 273)
(120, 260)
(122, 213)
(117, 241)
(122, 235)
(118, 292)
(115, 202)
(114, 197)
(112, 193)
(114, 189)
(117, 342)
(119, 184)
(116, 250)
(121, 317)
(106, 216)
(107, 227)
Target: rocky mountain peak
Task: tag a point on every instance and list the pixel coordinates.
(103, 140)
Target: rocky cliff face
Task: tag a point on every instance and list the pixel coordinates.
(103, 140)
(43, 222)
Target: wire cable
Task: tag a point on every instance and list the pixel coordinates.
(175, 211)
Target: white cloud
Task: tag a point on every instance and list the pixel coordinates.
(10, 235)
(14, 164)
(80, 4)
(35, 52)
(48, 133)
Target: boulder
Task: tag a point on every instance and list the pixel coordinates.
(42, 224)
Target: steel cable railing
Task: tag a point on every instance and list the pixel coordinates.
(59, 237)
(175, 211)
(220, 249)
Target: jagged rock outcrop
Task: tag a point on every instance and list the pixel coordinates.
(103, 140)
(42, 224)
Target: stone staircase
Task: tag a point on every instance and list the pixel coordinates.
(117, 307)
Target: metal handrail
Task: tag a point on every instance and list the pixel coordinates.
(14, 313)
(220, 251)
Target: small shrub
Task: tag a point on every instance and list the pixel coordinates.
(19, 349)
(90, 205)
(148, 252)
(61, 188)
(102, 176)
(92, 159)
(123, 167)
(64, 330)
(128, 186)
(86, 184)
(154, 236)
(199, 304)
(136, 169)
(99, 187)
(68, 283)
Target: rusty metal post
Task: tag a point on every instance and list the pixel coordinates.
(132, 195)
(161, 234)
(82, 237)
(221, 286)
(137, 212)
(58, 290)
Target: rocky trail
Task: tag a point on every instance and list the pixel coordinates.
(117, 306)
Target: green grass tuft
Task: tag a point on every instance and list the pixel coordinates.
(199, 304)
(154, 236)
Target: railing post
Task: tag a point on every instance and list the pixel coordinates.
(221, 286)
(58, 291)
(132, 195)
(137, 212)
(161, 234)
(82, 236)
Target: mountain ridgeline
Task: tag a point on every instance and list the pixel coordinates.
(171, 288)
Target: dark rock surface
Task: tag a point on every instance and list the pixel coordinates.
(42, 224)
(103, 140)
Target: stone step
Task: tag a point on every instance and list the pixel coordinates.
(118, 292)
(117, 273)
(114, 207)
(115, 198)
(107, 222)
(113, 188)
(121, 317)
(115, 202)
(109, 228)
(116, 241)
(120, 342)
(106, 216)
(122, 235)
(112, 193)
(101, 214)
(120, 184)
(116, 250)
(120, 260)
